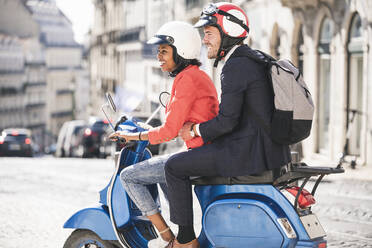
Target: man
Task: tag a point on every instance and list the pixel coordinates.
(236, 143)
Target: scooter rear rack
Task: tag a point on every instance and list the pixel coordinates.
(299, 171)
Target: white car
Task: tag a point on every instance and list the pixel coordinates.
(69, 138)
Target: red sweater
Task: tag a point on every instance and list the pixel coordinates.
(193, 99)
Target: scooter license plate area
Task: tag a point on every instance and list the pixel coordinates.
(312, 226)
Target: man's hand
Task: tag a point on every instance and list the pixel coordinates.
(184, 132)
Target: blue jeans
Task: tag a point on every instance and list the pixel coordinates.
(134, 179)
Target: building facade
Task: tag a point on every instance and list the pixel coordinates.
(40, 69)
(35, 90)
(12, 76)
(22, 76)
(329, 40)
(120, 60)
(63, 59)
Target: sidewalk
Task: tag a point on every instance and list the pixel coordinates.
(361, 172)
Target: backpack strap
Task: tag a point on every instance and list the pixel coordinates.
(256, 55)
(266, 60)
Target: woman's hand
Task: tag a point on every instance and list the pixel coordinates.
(123, 135)
(129, 136)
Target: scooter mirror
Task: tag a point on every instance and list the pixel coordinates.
(164, 98)
(111, 101)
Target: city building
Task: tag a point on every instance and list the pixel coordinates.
(22, 71)
(104, 62)
(329, 40)
(42, 80)
(120, 60)
(63, 59)
(35, 90)
(12, 73)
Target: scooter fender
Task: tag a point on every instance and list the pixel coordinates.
(96, 219)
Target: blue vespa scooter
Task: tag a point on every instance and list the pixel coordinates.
(237, 212)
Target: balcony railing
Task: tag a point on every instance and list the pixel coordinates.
(64, 92)
(35, 105)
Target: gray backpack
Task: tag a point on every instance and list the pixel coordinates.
(293, 106)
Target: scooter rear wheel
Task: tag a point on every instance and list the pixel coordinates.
(86, 238)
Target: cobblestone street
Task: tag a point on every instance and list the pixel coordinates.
(39, 194)
(345, 211)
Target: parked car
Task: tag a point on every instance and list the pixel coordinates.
(94, 140)
(69, 139)
(16, 142)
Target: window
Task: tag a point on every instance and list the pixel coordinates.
(355, 85)
(325, 38)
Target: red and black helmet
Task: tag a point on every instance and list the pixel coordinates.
(229, 17)
(231, 21)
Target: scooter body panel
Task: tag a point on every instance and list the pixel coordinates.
(96, 219)
(262, 199)
(121, 203)
(239, 223)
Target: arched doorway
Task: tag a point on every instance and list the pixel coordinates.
(324, 83)
(355, 85)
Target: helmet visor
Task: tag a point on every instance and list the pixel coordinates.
(161, 39)
(206, 20)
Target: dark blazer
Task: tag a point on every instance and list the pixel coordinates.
(242, 146)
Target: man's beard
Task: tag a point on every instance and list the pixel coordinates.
(212, 53)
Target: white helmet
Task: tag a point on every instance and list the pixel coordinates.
(183, 36)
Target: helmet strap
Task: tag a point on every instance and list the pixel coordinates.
(220, 54)
(227, 43)
(181, 63)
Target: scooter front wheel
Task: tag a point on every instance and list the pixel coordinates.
(85, 238)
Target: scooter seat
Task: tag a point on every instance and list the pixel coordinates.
(267, 177)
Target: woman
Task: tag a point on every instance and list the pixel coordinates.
(193, 99)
